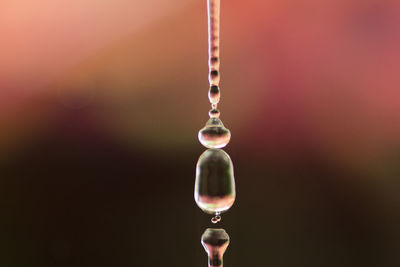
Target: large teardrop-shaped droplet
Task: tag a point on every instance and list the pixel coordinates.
(214, 189)
(214, 134)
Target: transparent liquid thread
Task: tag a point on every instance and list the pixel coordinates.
(214, 135)
(213, 8)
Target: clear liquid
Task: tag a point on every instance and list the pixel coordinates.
(214, 113)
(215, 242)
(215, 184)
(214, 190)
(214, 94)
(213, 8)
(214, 134)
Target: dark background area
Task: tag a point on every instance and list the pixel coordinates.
(83, 200)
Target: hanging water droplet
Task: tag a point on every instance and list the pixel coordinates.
(214, 134)
(214, 62)
(216, 219)
(214, 94)
(214, 77)
(215, 242)
(214, 190)
(214, 113)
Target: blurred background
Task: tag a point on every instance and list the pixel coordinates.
(101, 101)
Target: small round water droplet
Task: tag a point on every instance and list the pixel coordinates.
(214, 62)
(214, 134)
(214, 113)
(214, 77)
(214, 94)
(214, 50)
(214, 190)
(216, 219)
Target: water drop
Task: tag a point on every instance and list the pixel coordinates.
(214, 190)
(215, 242)
(214, 94)
(216, 219)
(214, 134)
(214, 77)
(214, 113)
(213, 62)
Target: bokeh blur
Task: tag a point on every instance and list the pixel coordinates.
(101, 101)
